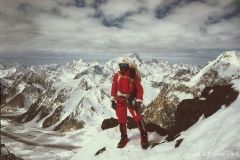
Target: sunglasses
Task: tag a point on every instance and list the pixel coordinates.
(123, 65)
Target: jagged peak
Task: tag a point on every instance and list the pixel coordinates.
(154, 60)
(81, 61)
(134, 57)
(226, 65)
(229, 56)
(151, 61)
(225, 58)
(75, 64)
(96, 63)
(163, 62)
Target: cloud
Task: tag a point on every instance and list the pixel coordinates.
(113, 26)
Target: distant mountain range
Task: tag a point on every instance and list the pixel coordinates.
(66, 98)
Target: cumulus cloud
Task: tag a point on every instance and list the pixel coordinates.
(113, 26)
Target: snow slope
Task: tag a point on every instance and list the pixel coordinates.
(216, 137)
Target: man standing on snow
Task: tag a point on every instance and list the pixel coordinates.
(125, 88)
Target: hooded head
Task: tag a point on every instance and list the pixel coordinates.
(123, 65)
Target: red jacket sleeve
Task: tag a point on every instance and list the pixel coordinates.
(114, 87)
(139, 88)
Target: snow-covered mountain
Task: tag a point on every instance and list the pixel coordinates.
(222, 71)
(23, 84)
(9, 72)
(79, 92)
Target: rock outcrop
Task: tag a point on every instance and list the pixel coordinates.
(151, 127)
(190, 110)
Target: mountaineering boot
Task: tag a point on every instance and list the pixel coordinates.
(144, 135)
(123, 141)
(124, 137)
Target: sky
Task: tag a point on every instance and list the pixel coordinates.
(181, 30)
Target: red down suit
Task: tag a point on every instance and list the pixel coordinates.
(124, 85)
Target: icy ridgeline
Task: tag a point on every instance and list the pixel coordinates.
(69, 97)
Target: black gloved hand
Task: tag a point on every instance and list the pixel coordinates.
(136, 105)
(114, 105)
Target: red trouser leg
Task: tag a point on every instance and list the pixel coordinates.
(121, 110)
(142, 128)
(135, 115)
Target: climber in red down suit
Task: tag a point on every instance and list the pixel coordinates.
(121, 92)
